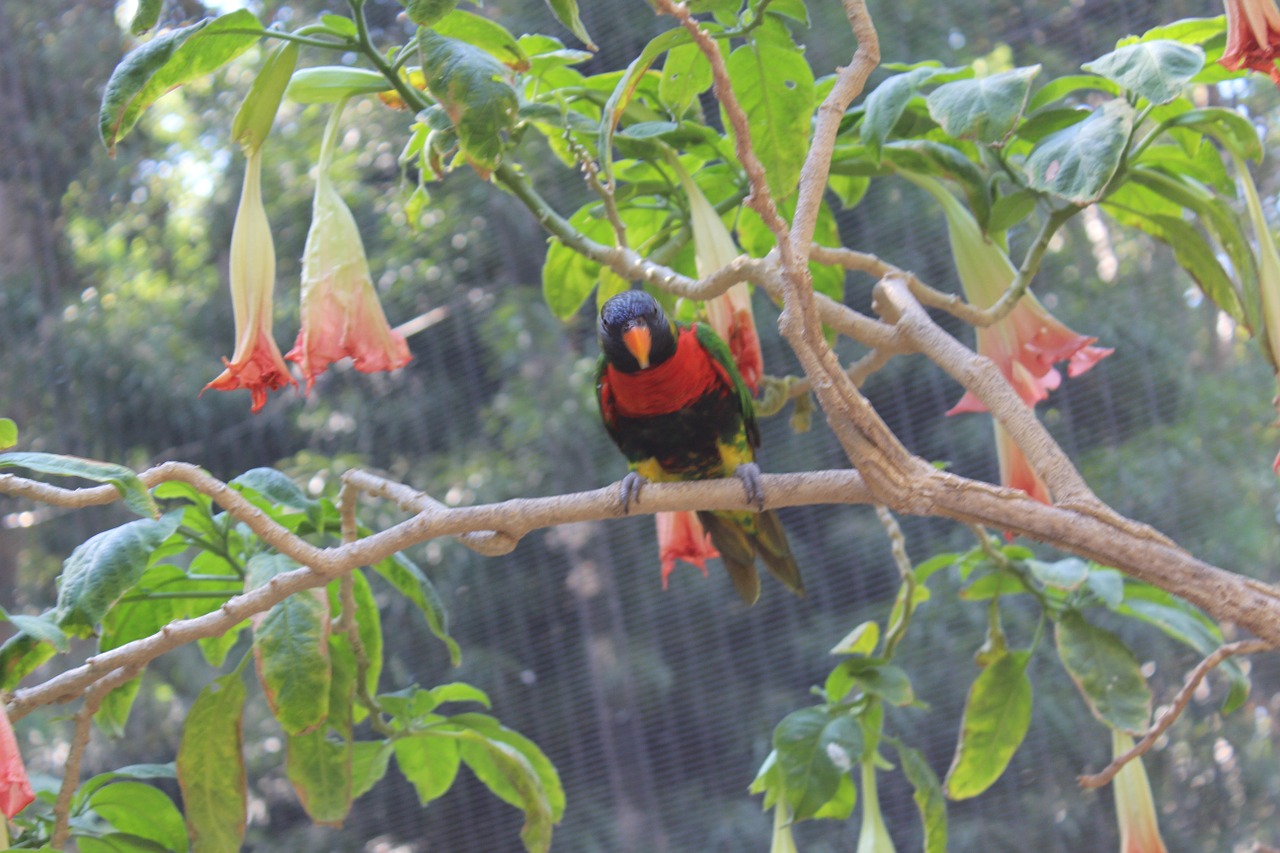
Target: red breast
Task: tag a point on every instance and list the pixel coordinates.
(668, 387)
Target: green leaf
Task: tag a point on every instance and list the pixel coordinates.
(21, 655)
(104, 568)
(547, 777)
(1068, 574)
(369, 760)
(567, 276)
(489, 36)
(1078, 162)
(8, 433)
(291, 648)
(409, 580)
(139, 809)
(874, 676)
(132, 490)
(424, 13)
(252, 122)
(815, 747)
(1156, 70)
(1234, 131)
(774, 86)
(841, 804)
(319, 768)
(1060, 87)
(325, 84)
(132, 771)
(369, 627)
(985, 109)
(1107, 585)
(886, 104)
(145, 16)
(430, 763)
(471, 86)
(507, 772)
(167, 62)
(275, 487)
(1106, 673)
(566, 12)
(625, 87)
(993, 585)
(42, 628)
(862, 640)
(211, 767)
(686, 74)
(997, 715)
(340, 25)
(928, 796)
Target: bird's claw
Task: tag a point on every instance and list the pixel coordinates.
(631, 486)
(749, 474)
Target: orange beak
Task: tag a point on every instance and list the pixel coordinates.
(638, 342)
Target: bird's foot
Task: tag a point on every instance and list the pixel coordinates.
(631, 486)
(749, 474)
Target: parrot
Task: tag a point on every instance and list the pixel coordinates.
(673, 401)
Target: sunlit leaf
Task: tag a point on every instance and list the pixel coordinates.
(369, 760)
(686, 74)
(141, 810)
(548, 778)
(252, 122)
(326, 84)
(211, 767)
(105, 567)
(568, 277)
(997, 715)
(145, 16)
(424, 13)
(319, 768)
(1106, 672)
(774, 86)
(429, 761)
(471, 86)
(1156, 70)
(489, 36)
(8, 433)
(1077, 163)
(167, 62)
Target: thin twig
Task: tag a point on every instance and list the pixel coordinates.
(93, 697)
(1171, 714)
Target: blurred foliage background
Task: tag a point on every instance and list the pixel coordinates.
(657, 707)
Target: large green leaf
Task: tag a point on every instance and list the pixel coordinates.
(252, 122)
(145, 16)
(471, 86)
(141, 810)
(105, 567)
(815, 746)
(319, 767)
(548, 778)
(410, 581)
(1106, 672)
(1233, 130)
(686, 74)
(22, 654)
(1156, 70)
(167, 62)
(986, 108)
(568, 277)
(625, 87)
(211, 767)
(997, 715)
(774, 85)
(508, 773)
(291, 648)
(1077, 162)
(369, 760)
(424, 13)
(135, 494)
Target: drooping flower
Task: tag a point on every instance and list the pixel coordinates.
(341, 315)
(874, 835)
(1253, 36)
(682, 537)
(1025, 344)
(15, 788)
(256, 363)
(730, 313)
(1135, 807)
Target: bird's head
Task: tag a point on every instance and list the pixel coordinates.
(635, 333)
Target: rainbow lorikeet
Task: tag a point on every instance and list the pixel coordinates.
(674, 403)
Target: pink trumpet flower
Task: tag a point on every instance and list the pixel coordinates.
(1025, 344)
(256, 364)
(682, 537)
(1135, 807)
(15, 788)
(1253, 36)
(341, 315)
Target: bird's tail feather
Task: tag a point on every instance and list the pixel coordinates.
(739, 545)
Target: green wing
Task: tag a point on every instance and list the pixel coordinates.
(719, 351)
